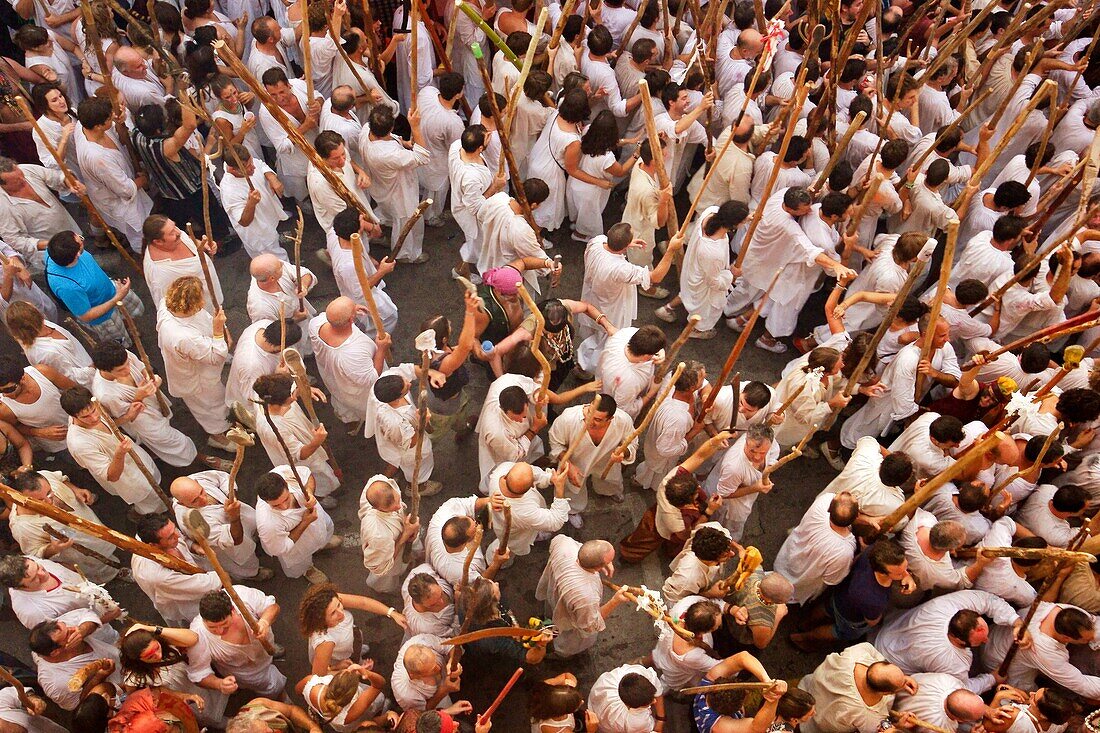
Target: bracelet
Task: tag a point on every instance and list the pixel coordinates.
(389, 613)
(158, 631)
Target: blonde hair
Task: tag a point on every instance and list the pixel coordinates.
(340, 692)
(24, 321)
(184, 296)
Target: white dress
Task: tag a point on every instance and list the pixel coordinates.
(42, 413)
(274, 526)
(547, 161)
(193, 361)
(585, 201)
(297, 431)
(95, 449)
(67, 355)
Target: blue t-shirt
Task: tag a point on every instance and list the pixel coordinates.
(82, 286)
(860, 598)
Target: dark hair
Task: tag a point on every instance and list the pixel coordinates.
(381, 121)
(574, 106)
(273, 331)
(797, 197)
(150, 525)
(389, 387)
(513, 399)
(327, 142)
(681, 489)
(1078, 405)
(75, 399)
(473, 137)
(1011, 194)
(602, 136)
(346, 223)
(1029, 543)
(1056, 705)
(11, 370)
(91, 715)
(275, 388)
(536, 190)
(131, 647)
(215, 606)
(636, 691)
(1072, 622)
(39, 93)
(962, 624)
(641, 51)
(538, 81)
(270, 486)
(756, 394)
(701, 616)
(273, 77)
(895, 469)
(884, 554)
(40, 640)
(547, 701)
(1070, 499)
(485, 104)
(835, 203)
(30, 37)
(971, 292)
(709, 543)
(1008, 227)
(108, 354)
(894, 154)
(937, 172)
(600, 41)
(450, 85)
(795, 703)
(646, 341)
(94, 111)
(947, 429)
(841, 177)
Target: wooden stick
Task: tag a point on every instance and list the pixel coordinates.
(364, 283)
(633, 594)
(1035, 465)
(513, 98)
(1030, 62)
(921, 723)
(673, 224)
(298, 257)
(135, 336)
(576, 441)
(82, 333)
(109, 421)
(372, 40)
(21, 691)
(119, 540)
(241, 439)
(200, 532)
(623, 48)
(1048, 332)
(637, 432)
(976, 452)
(1071, 359)
(407, 227)
(294, 362)
(790, 400)
(484, 717)
(674, 350)
(71, 182)
(706, 182)
(796, 452)
(722, 687)
(421, 428)
(307, 56)
(865, 201)
(799, 99)
(506, 534)
(948, 129)
(937, 304)
(291, 128)
(200, 253)
(536, 344)
(286, 451)
(855, 126)
(82, 549)
(347, 59)
(1025, 553)
(555, 37)
(738, 347)
(414, 55)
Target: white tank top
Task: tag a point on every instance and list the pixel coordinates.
(42, 413)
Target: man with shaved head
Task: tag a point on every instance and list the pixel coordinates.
(349, 361)
(514, 481)
(421, 680)
(942, 700)
(385, 530)
(820, 550)
(338, 114)
(572, 588)
(232, 524)
(274, 288)
(854, 691)
(134, 77)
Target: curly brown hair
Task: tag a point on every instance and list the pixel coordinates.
(184, 296)
(311, 611)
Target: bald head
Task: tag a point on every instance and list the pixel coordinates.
(775, 588)
(186, 490)
(750, 43)
(340, 313)
(420, 661)
(595, 554)
(343, 98)
(519, 478)
(885, 677)
(265, 268)
(382, 496)
(965, 706)
(130, 62)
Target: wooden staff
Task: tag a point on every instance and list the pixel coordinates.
(937, 304)
(971, 456)
(536, 344)
(123, 134)
(82, 549)
(109, 421)
(633, 594)
(347, 59)
(81, 332)
(414, 55)
(25, 699)
(71, 182)
(135, 336)
(241, 439)
(738, 347)
(681, 7)
(199, 530)
(921, 723)
(421, 428)
(790, 400)
(1048, 332)
(706, 182)
(294, 362)
(291, 128)
(585, 427)
(200, 253)
(957, 39)
(673, 224)
(559, 28)
(674, 350)
(1047, 553)
(506, 534)
(796, 452)
(119, 540)
(1071, 359)
(471, 550)
(642, 5)
(491, 34)
(407, 228)
(377, 67)
(298, 257)
(948, 129)
(1035, 465)
(855, 126)
(866, 200)
(286, 451)
(799, 99)
(505, 144)
(484, 717)
(364, 283)
(1031, 58)
(637, 432)
(307, 57)
(513, 97)
(722, 687)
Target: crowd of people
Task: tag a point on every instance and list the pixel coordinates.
(927, 168)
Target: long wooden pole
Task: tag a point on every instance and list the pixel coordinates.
(638, 431)
(673, 224)
(135, 336)
(937, 304)
(307, 55)
(1085, 319)
(109, 421)
(72, 183)
(536, 346)
(286, 451)
(421, 428)
(119, 540)
(841, 147)
(364, 283)
(372, 41)
(674, 350)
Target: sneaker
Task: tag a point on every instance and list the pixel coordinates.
(222, 443)
(430, 488)
(327, 502)
(315, 576)
(576, 520)
(776, 347)
(334, 542)
(218, 464)
(418, 261)
(804, 345)
(832, 457)
(665, 313)
(324, 257)
(263, 574)
(737, 323)
(704, 335)
(657, 293)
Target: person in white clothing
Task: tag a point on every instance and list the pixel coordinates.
(421, 679)
(941, 700)
(627, 364)
(256, 353)
(60, 649)
(605, 427)
(175, 595)
(30, 397)
(739, 477)
(386, 529)
(820, 550)
(229, 655)
(171, 254)
(666, 440)
(1047, 513)
(25, 719)
(698, 567)
(472, 185)
(42, 589)
(32, 212)
(517, 483)
(291, 524)
(232, 524)
(628, 699)
(338, 244)
(348, 360)
(440, 126)
(135, 79)
(327, 201)
(291, 163)
(451, 536)
(429, 604)
(393, 420)
(45, 342)
(250, 196)
(275, 290)
(194, 348)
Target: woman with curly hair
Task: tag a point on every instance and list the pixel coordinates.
(586, 201)
(279, 400)
(335, 642)
(156, 657)
(194, 348)
(346, 700)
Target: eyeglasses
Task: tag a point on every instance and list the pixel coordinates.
(9, 388)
